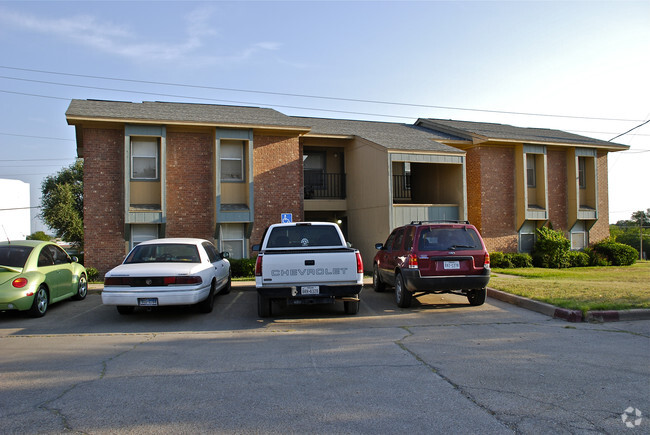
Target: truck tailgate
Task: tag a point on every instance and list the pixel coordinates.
(334, 266)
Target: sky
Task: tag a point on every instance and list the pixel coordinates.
(578, 66)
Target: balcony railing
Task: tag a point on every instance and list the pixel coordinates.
(401, 187)
(320, 185)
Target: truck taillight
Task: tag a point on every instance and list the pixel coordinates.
(413, 261)
(258, 266)
(486, 262)
(359, 263)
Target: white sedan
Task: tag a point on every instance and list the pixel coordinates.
(168, 272)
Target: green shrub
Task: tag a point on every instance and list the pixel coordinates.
(510, 260)
(520, 259)
(242, 268)
(579, 259)
(499, 259)
(551, 249)
(617, 254)
(93, 274)
(596, 259)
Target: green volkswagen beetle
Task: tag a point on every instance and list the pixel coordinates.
(35, 274)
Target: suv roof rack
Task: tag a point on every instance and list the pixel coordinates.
(439, 222)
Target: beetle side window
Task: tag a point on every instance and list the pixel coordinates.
(45, 258)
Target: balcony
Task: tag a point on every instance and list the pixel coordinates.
(401, 188)
(321, 185)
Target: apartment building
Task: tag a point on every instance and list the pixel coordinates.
(225, 173)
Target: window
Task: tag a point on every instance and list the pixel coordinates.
(144, 158)
(579, 236)
(232, 239)
(142, 233)
(232, 161)
(531, 173)
(527, 237)
(582, 176)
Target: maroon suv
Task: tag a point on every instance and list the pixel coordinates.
(433, 257)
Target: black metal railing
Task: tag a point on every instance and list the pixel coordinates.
(321, 185)
(401, 187)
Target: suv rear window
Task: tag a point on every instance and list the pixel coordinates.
(444, 239)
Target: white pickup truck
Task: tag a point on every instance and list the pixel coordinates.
(307, 263)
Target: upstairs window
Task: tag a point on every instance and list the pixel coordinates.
(232, 161)
(144, 159)
(531, 172)
(582, 176)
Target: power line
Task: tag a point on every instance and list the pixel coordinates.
(284, 94)
(35, 137)
(633, 128)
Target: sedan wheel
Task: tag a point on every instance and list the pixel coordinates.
(82, 288)
(39, 306)
(402, 296)
(206, 305)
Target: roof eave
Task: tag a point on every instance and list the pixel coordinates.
(75, 120)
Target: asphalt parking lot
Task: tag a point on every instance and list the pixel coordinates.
(438, 367)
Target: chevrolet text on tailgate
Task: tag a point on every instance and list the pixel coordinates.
(307, 263)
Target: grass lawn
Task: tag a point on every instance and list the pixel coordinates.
(580, 288)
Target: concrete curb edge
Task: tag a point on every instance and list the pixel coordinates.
(566, 314)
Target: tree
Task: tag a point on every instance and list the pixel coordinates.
(39, 235)
(634, 232)
(62, 203)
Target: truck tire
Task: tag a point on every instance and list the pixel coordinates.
(351, 307)
(476, 297)
(263, 306)
(402, 296)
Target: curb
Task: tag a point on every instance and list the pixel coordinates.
(567, 314)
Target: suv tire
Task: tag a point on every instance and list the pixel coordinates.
(402, 296)
(476, 297)
(378, 285)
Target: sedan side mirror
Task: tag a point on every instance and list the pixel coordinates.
(379, 246)
(225, 254)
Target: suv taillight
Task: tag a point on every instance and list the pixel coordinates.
(413, 261)
(258, 266)
(486, 263)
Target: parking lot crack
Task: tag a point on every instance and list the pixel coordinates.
(401, 343)
(58, 413)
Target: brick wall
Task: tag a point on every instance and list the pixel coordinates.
(191, 193)
(278, 176)
(557, 189)
(496, 190)
(600, 230)
(104, 244)
(474, 187)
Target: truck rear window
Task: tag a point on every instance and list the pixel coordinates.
(304, 236)
(444, 239)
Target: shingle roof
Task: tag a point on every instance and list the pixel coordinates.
(495, 131)
(178, 112)
(390, 135)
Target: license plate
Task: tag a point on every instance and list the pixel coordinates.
(310, 290)
(451, 265)
(148, 302)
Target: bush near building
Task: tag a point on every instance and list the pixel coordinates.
(553, 250)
